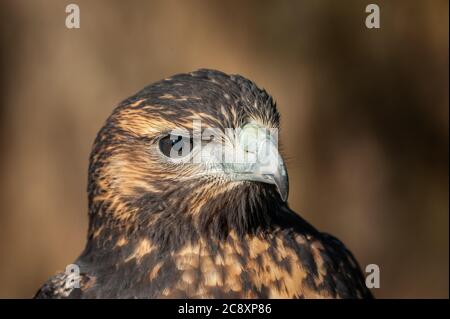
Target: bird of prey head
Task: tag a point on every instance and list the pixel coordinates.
(132, 164)
(187, 198)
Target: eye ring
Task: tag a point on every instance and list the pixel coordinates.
(175, 146)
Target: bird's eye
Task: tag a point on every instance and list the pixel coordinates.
(175, 146)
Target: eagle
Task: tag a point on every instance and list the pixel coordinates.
(164, 225)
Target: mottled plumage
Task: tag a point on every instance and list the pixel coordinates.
(164, 230)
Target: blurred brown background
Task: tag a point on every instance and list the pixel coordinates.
(364, 118)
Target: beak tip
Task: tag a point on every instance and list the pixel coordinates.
(282, 189)
(282, 184)
(284, 195)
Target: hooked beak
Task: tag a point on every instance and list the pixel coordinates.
(268, 167)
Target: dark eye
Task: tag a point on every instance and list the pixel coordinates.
(175, 146)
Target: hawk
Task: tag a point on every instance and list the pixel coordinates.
(161, 226)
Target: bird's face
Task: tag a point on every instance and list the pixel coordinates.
(227, 157)
(197, 144)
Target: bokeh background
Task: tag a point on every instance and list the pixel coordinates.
(364, 118)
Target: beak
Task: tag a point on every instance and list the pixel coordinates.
(267, 167)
